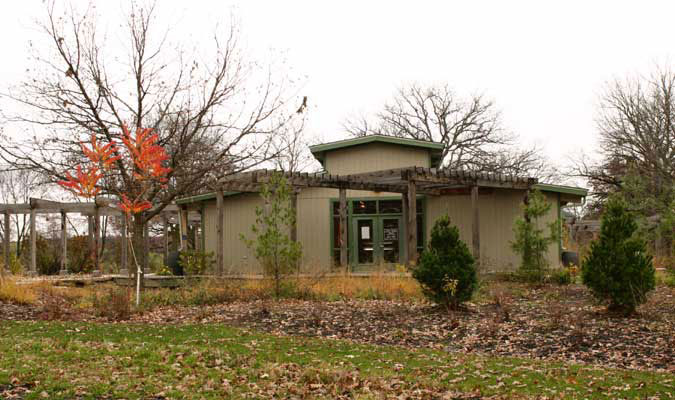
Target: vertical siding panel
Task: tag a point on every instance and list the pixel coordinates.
(375, 157)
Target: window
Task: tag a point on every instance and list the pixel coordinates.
(391, 206)
(364, 206)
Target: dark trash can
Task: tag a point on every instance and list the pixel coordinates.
(570, 258)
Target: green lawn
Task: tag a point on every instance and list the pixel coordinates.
(213, 361)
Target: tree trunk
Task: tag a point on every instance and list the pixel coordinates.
(138, 247)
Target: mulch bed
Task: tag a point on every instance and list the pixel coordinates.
(552, 323)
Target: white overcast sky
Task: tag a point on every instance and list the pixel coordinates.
(543, 62)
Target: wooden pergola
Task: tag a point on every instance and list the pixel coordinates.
(407, 181)
(93, 211)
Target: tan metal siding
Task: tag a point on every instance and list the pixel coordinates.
(375, 157)
(498, 212)
(239, 216)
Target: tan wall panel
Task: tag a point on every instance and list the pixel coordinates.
(374, 157)
(239, 214)
(498, 213)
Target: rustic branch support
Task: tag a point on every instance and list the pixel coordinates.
(7, 240)
(124, 269)
(97, 239)
(412, 223)
(33, 242)
(146, 246)
(475, 225)
(220, 233)
(64, 243)
(344, 256)
(183, 227)
(165, 239)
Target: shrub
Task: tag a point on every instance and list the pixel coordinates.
(618, 269)
(10, 292)
(272, 244)
(446, 269)
(79, 255)
(114, 305)
(196, 262)
(47, 257)
(531, 243)
(561, 276)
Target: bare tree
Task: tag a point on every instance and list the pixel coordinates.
(470, 129)
(291, 145)
(637, 130)
(213, 114)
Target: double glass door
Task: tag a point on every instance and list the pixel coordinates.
(378, 240)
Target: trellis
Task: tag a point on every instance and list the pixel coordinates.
(93, 211)
(406, 181)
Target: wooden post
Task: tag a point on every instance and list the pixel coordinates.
(412, 223)
(7, 240)
(475, 225)
(183, 227)
(146, 246)
(124, 246)
(294, 208)
(344, 249)
(97, 238)
(33, 242)
(64, 243)
(90, 239)
(404, 216)
(165, 237)
(219, 233)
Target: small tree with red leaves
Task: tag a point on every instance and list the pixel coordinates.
(137, 152)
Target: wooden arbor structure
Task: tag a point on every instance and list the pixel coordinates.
(93, 211)
(407, 181)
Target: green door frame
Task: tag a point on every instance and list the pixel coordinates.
(377, 234)
(351, 242)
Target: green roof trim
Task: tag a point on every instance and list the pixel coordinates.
(203, 197)
(436, 149)
(573, 190)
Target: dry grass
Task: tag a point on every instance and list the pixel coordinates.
(98, 298)
(11, 292)
(376, 286)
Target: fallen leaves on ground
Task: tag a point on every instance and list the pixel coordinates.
(547, 323)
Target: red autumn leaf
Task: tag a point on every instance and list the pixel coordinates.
(146, 154)
(84, 183)
(134, 207)
(105, 155)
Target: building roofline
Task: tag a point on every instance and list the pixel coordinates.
(436, 149)
(573, 190)
(203, 197)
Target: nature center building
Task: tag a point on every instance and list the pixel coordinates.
(376, 178)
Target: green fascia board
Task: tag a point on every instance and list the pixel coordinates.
(576, 191)
(203, 197)
(319, 150)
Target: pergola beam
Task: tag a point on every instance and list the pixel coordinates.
(427, 180)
